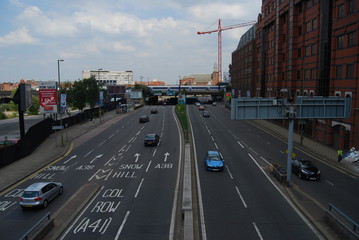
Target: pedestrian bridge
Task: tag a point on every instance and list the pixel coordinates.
(173, 90)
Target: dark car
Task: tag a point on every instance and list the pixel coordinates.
(40, 194)
(305, 169)
(154, 110)
(214, 161)
(205, 114)
(152, 139)
(144, 119)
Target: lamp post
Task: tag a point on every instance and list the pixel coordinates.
(58, 99)
(98, 73)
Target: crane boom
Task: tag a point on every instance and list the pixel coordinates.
(219, 30)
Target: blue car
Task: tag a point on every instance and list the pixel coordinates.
(214, 161)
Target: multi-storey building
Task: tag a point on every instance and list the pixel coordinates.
(111, 77)
(310, 48)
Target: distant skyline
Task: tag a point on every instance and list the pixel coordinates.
(157, 40)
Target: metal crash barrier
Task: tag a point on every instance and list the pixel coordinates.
(30, 232)
(279, 172)
(347, 224)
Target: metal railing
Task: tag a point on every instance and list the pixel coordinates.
(344, 218)
(26, 235)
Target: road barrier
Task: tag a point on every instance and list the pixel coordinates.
(279, 172)
(40, 233)
(347, 225)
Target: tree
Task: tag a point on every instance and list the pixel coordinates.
(92, 91)
(78, 95)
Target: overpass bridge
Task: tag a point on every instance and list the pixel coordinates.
(189, 90)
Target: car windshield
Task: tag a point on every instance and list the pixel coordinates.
(30, 194)
(150, 137)
(307, 164)
(214, 157)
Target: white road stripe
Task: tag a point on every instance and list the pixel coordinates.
(148, 166)
(242, 199)
(88, 153)
(139, 187)
(230, 174)
(330, 182)
(122, 225)
(257, 230)
(240, 144)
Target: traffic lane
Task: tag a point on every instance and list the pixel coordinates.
(82, 231)
(335, 186)
(150, 217)
(266, 217)
(222, 202)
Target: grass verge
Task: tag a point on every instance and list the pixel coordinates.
(182, 116)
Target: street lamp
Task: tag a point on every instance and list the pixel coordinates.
(58, 99)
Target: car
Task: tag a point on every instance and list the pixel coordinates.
(200, 107)
(214, 161)
(305, 169)
(214, 104)
(153, 110)
(197, 103)
(144, 119)
(152, 139)
(40, 194)
(205, 114)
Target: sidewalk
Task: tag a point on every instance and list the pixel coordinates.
(325, 153)
(49, 150)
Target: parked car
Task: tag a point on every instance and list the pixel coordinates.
(40, 194)
(144, 119)
(152, 139)
(214, 161)
(305, 169)
(205, 114)
(200, 107)
(153, 110)
(214, 104)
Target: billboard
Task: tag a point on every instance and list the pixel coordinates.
(48, 97)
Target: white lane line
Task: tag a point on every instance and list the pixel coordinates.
(128, 148)
(253, 151)
(209, 132)
(154, 152)
(111, 136)
(117, 130)
(101, 143)
(134, 139)
(242, 199)
(257, 230)
(330, 183)
(88, 153)
(139, 187)
(122, 225)
(212, 138)
(229, 172)
(266, 161)
(131, 140)
(240, 144)
(79, 216)
(138, 133)
(148, 166)
(216, 145)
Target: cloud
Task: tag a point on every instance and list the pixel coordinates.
(20, 36)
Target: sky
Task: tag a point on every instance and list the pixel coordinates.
(156, 39)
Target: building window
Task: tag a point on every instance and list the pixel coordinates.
(315, 23)
(309, 3)
(300, 30)
(340, 41)
(307, 51)
(306, 74)
(314, 49)
(307, 26)
(350, 71)
(351, 39)
(299, 52)
(351, 6)
(314, 73)
(341, 11)
(339, 71)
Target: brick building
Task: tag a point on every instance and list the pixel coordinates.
(310, 48)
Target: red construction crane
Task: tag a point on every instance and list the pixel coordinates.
(219, 30)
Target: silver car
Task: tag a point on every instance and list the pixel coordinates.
(40, 194)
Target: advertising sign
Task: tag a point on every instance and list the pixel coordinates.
(136, 94)
(181, 98)
(63, 103)
(48, 97)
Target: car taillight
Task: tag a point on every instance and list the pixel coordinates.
(21, 199)
(37, 199)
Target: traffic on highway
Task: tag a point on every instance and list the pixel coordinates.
(122, 181)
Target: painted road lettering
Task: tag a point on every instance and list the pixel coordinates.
(105, 207)
(163, 165)
(4, 205)
(85, 167)
(99, 225)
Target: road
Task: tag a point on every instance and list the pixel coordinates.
(137, 183)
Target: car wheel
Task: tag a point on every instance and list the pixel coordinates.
(45, 204)
(61, 190)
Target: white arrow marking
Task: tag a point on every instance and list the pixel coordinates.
(166, 155)
(71, 158)
(137, 155)
(98, 156)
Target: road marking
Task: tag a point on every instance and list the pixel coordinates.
(216, 146)
(330, 183)
(257, 230)
(230, 174)
(154, 152)
(212, 138)
(242, 199)
(240, 144)
(138, 133)
(122, 225)
(101, 143)
(139, 187)
(130, 140)
(128, 148)
(98, 156)
(111, 136)
(74, 156)
(166, 155)
(148, 166)
(88, 153)
(137, 155)
(265, 160)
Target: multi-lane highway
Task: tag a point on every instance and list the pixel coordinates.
(135, 186)
(136, 183)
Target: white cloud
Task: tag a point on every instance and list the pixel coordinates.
(20, 36)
